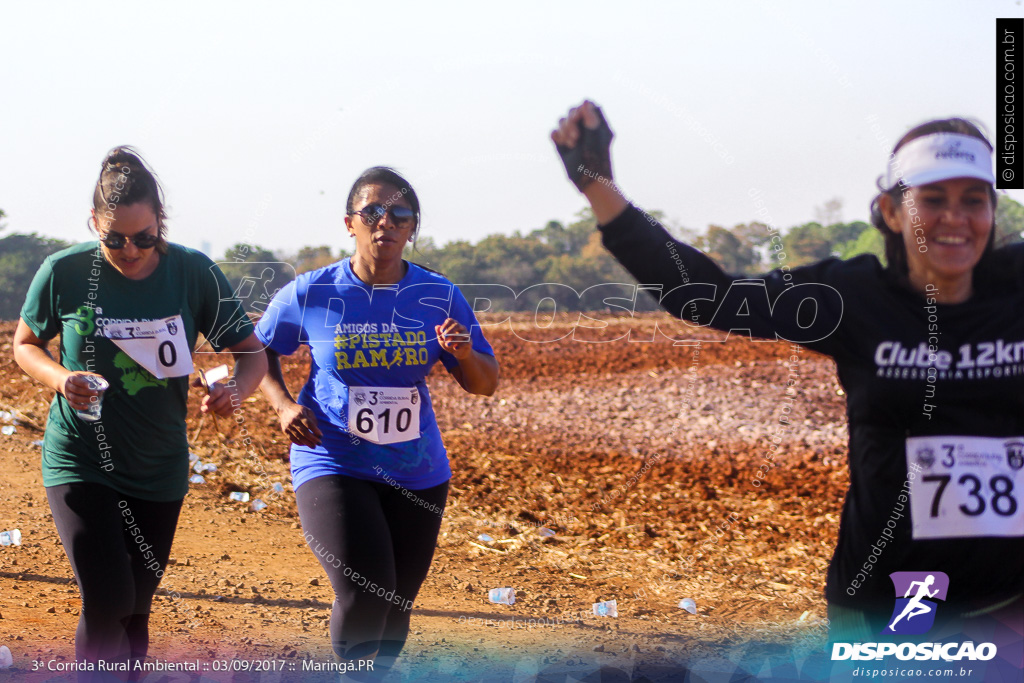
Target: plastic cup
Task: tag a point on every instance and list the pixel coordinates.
(92, 413)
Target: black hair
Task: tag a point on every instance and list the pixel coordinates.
(382, 175)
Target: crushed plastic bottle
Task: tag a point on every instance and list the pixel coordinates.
(608, 608)
(12, 537)
(545, 532)
(485, 538)
(197, 479)
(258, 505)
(7, 430)
(192, 458)
(277, 487)
(6, 660)
(240, 496)
(689, 605)
(502, 596)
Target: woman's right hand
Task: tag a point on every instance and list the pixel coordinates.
(299, 424)
(77, 391)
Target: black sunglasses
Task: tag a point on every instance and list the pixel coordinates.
(115, 240)
(373, 213)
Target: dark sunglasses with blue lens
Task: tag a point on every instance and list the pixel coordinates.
(372, 214)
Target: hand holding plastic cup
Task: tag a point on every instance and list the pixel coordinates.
(96, 383)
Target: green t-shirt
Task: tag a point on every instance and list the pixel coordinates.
(139, 446)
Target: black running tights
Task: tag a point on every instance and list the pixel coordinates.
(118, 547)
(376, 542)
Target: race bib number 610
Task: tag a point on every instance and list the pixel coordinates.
(384, 414)
(966, 486)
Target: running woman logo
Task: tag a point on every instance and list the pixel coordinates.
(914, 612)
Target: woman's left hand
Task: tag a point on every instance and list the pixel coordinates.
(454, 338)
(222, 399)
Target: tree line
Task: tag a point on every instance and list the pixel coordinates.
(569, 254)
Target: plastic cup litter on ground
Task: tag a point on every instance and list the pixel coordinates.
(6, 660)
(608, 608)
(258, 505)
(240, 496)
(689, 605)
(502, 596)
(12, 537)
(92, 413)
(197, 479)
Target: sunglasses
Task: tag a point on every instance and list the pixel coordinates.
(372, 214)
(115, 240)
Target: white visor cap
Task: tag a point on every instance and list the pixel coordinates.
(940, 156)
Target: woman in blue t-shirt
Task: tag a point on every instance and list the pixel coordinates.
(369, 469)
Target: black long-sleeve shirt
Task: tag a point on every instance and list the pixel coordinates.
(910, 368)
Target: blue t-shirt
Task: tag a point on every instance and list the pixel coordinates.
(368, 336)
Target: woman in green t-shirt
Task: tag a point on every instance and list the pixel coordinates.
(128, 310)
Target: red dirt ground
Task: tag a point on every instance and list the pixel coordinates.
(649, 507)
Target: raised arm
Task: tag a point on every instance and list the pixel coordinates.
(687, 283)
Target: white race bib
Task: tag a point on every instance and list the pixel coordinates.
(966, 486)
(159, 346)
(384, 414)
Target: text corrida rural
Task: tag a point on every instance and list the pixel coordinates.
(103, 665)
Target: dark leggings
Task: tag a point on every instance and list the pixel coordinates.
(117, 544)
(376, 542)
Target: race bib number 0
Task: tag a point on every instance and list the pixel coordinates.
(966, 486)
(159, 346)
(384, 414)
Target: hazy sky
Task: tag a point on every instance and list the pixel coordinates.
(258, 116)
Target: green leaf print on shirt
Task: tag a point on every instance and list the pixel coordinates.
(134, 377)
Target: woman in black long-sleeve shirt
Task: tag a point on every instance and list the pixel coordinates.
(930, 351)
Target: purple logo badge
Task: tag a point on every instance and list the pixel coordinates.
(917, 594)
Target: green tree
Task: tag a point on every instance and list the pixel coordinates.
(255, 274)
(870, 241)
(312, 258)
(807, 243)
(731, 253)
(20, 258)
(1009, 221)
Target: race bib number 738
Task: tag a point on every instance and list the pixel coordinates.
(966, 486)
